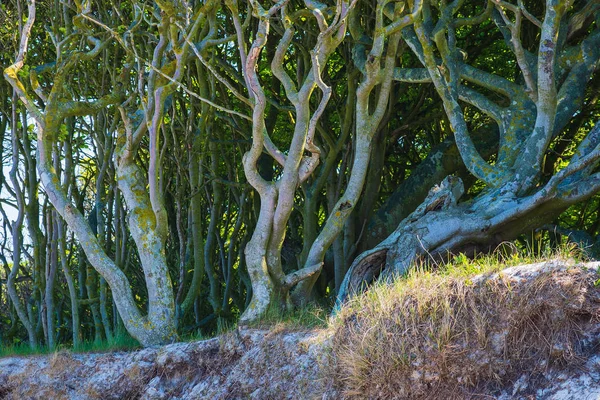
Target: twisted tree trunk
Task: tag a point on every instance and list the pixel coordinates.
(515, 199)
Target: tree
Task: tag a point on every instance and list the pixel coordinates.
(517, 197)
(270, 285)
(200, 163)
(147, 218)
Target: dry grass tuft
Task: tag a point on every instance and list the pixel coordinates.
(448, 335)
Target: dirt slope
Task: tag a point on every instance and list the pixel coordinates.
(279, 364)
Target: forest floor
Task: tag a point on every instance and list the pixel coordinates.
(526, 332)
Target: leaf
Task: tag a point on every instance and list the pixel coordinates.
(63, 133)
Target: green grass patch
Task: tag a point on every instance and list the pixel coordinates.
(506, 255)
(121, 341)
(23, 349)
(310, 317)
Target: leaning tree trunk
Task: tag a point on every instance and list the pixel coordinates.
(440, 225)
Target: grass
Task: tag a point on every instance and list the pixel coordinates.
(307, 318)
(23, 349)
(440, 333)
(505, 256)
(310, 317)
(121, 341)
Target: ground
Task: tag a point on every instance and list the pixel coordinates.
(280, 363)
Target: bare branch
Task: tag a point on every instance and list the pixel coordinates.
(278, 68)
(216, 74)
(471, 157)
(528, 15)
(301, 274)
(515, 32)
(11, 72)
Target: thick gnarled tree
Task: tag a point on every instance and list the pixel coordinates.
(533, 110)
(199, 162)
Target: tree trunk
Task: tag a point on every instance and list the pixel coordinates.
(70, 283)
(440, 226)
(442, 161)
(51, 270)
(16, 232)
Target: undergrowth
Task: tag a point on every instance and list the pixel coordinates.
(121, 341)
